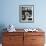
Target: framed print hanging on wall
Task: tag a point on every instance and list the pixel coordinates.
(26, 13)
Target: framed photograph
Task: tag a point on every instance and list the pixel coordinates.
(26, 13)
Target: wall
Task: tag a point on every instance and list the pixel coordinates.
(9, 13)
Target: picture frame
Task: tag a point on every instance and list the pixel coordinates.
(26, 13)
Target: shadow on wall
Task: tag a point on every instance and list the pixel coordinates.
(2, 26)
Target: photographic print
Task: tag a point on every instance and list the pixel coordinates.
(26, 13)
